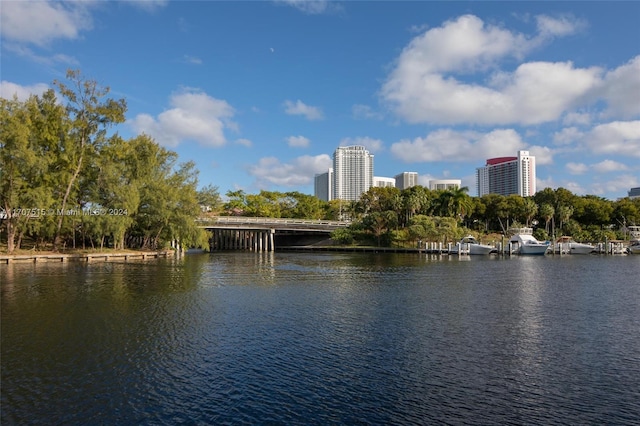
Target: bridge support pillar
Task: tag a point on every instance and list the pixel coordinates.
(271, 243)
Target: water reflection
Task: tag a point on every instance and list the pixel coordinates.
(337, 338)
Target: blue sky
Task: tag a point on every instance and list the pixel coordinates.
(259, 94)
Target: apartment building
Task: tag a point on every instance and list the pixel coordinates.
(508, 175)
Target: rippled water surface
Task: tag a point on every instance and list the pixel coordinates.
(303, 338)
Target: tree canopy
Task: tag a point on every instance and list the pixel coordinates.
(66, 182)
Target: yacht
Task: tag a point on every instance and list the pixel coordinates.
(523, 242)
(567, 245)
(469, 245)
(634, 247)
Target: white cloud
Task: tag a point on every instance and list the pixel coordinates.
(40, 22)
(536, 92)
(48, 59)
(244, 142)
(8, 90)
(549, 182)
(192, 60)
(465, 44)
(574, 187)
(621, 90)
(425, 86)
(418, 28)
(543, 154)
(195, 116)
(618, 137)
(608, 166)
(300, 108)
(148, 5)
(360, 111)
(567, 136)
(423, 180)
(312, 7)
(549, 26)
(620, 184)
(577, 118)
(372, 145)
(298, 141)
(300, 171)
(452, 145)
(577, 168)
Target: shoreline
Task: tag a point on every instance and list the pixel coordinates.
(6, 259)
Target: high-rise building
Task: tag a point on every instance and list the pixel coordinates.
(384, 182)
(444, 184)
(508, 175)
(352, 172)
(323, 185)
(406, 180)
(634, 193)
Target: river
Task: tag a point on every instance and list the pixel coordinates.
(322, 338)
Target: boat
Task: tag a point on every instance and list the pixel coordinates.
(567, 245)
(634, 232)
(634, 247)
(523, 242)
(469, 245)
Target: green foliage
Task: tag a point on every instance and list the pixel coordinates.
(85, 186)
(343, 236)
(209, 198)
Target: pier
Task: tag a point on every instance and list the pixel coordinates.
(83, 257)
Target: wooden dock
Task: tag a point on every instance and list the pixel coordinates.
(83, 257)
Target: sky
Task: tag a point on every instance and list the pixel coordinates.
(259, 94)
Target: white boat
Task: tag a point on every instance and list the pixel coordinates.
(523, 242)
(634, 232)
(567, 245)
(634, 247)
(469, 245)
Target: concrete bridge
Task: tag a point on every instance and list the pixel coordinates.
(264, 233)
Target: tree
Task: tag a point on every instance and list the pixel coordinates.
(421, 227)
(530, 209)
(115, 192)
(237, 202)
(30, 135)
(16, 156)
(342, 236)
(592, 210)
(303, 206)
(564, 213)
(547, 212)
(415, 199)
(209, 198)
(461, 203)
(380, 222)
(627, 211)
(89, 117)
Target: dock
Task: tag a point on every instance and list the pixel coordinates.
(83, 257)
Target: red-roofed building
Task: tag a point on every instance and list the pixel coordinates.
(508, 175)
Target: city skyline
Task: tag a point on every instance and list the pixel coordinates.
(258, 94)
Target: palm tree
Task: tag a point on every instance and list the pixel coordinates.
(564, 213)
(547, 212)
(461, 203)
(530, 209)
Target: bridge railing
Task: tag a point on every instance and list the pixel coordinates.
(269, 221)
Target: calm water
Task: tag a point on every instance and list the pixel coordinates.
(288, 338)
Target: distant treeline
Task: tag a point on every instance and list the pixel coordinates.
(394, 217)
(66, 182)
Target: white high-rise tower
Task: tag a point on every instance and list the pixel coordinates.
(352, 172)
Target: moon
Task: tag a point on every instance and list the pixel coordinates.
(272, 49)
